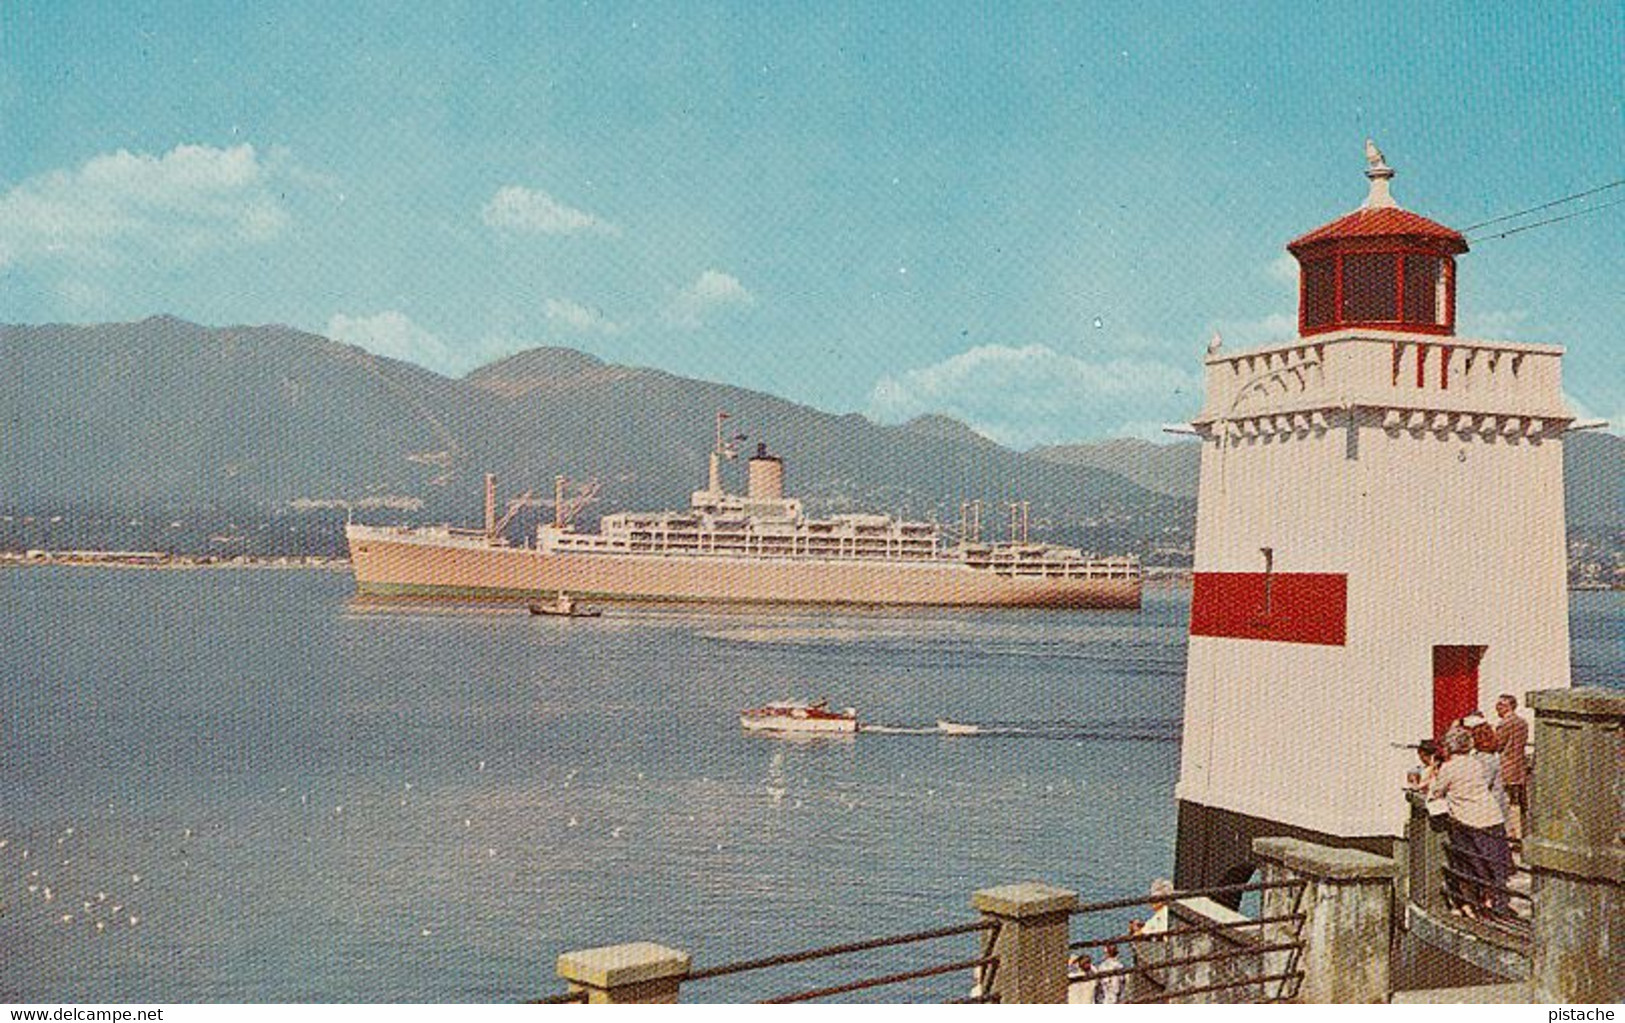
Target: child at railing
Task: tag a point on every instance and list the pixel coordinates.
(1080, 981)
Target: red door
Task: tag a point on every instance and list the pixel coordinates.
(1455, 684)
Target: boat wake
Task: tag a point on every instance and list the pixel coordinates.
(1103, 731)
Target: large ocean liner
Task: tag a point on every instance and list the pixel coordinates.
(755, 547)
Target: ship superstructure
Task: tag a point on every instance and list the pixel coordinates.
(759, 546)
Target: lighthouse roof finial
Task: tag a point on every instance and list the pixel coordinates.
(1380, 173)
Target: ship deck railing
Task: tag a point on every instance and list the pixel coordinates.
(778, 551)
(435, 536)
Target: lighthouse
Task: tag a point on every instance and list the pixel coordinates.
(1379, 544)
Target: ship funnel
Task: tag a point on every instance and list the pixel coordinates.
(766, 475)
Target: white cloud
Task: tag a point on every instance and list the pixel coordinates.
(394, 335)
(1493, 323)
(522, 209)
(1284, 269)
(391, 334)
(191, 200)
(712, 290)
(579, 318)
(1033, 395)
(1268, 329)
(1583, 412)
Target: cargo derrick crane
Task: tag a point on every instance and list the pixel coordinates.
(512, 510)
(565, 509)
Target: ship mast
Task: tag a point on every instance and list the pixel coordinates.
(1018, 521)
(970, 521)
(723, 449)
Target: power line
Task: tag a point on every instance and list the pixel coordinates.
(1546, 206)
(1549, 220)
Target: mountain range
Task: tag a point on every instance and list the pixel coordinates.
(166, 415)
(169, 415)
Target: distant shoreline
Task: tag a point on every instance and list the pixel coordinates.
(153, 560)
(1157, 578)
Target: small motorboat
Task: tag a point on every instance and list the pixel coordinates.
(956, 728)
(563, 607)
(793, 716)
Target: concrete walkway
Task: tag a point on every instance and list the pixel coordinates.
(1489, 994)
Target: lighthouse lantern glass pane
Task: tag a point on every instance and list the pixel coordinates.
(1422, 289)
(1370, 287)
(1319, 292)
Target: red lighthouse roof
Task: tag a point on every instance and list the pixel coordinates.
(1380, 266)
(1383, 222)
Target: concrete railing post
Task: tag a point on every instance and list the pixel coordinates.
(1576, 852)
(1425, 855)
(639, 973)
(1031, 942)
(1348, 908)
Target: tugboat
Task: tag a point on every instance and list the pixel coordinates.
(563, 607)
(793, 716)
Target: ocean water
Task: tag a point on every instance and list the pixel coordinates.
(247, 785)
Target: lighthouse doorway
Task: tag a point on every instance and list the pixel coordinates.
(1455, 684)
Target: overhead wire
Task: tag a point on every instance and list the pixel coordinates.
(1549, 220)
(1547, 206)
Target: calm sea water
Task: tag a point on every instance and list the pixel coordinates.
(245, 785)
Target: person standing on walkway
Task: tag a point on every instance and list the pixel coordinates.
(1487, 751)
(1109, 990)
(1080, 981)
(1161, 889)
(1477, 826)
(1513, 732)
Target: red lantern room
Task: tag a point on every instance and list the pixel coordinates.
(1380, 266)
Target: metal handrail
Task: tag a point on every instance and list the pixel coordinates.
(987, 964)
(1174, 932)
(1162, 964)
(567, 998)
(891, 978)
(1483, 883)
(1489, 886)
(835, 950)
(1204, 989)
(1515, 869)
(1256, 945)
(1194, 893)
(990, 998)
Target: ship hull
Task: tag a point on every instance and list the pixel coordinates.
(835, 725)
(407, 566)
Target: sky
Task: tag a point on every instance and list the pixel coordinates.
(1030, 217)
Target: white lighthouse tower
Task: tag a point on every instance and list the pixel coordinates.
(1379, 544)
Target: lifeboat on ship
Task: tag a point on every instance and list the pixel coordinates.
(794, 716)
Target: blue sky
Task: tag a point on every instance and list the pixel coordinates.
(1030, 217)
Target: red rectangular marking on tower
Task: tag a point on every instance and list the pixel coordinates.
(1281, 607)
